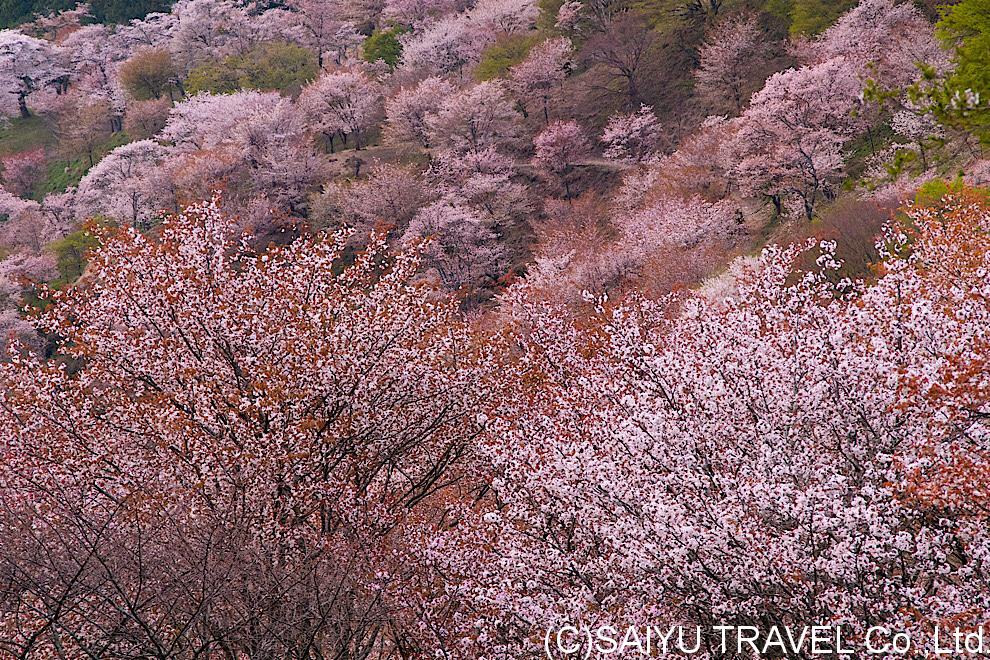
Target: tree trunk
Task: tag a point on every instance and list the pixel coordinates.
(176, 87)
(633, 89)
(22, 105)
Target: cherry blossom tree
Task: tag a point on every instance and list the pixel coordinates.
(93, 48)
(503, 16)
(790, 140)
(459, 247)
(658, 243)
(945, 470)
(770, 459)
(94, 54)
(703, 163)
(443, 47)
(621, 50)
(323, 26)
(288, 423)
(82, 127)
(206, 29)
(569, 16)
(447, 45)
(276, 157)
(474, 119)
(127, 185)
(920, 127)
(885, 41)
(153, 31)
(21, 271)
(560, 147)
(28, 225)
(418, 12)
(56, 25)
(343, 102)
(144, 119)
(265, 444)
(727, 61)
(16, 331)
(387, 199)
(408, 109)
(539, 76)
(666, 220)
(633, 137)
(26, 65)
(207, 120)
(59, 211)
(21, 170)
(253, 144)
(484, 180)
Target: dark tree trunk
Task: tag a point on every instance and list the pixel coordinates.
(633, 89)
(22, 105)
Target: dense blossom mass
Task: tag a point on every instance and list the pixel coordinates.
(371, 329)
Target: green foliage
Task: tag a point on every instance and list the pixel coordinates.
(809, 17)
(24, 134)
(547, 20)
(903, 160)
(121, 11)
(497, 59)
(383, 45)
(70, 255)
(149, 74)
(931, 192)
(278, 66)
(961, 100)
(667, 16)
(273, 66)
(781, 9)
(62, 174)
(214, 77)
(861, 150)
(14, 12)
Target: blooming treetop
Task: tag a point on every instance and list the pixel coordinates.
(316, 421)
(793, 455)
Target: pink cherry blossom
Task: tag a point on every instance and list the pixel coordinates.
(560, 147)
(727, 62)
(474, 119)
(634, 137)
(538, 78)
(409, 108)
(26, 66)
(345, 102)
(790, 139)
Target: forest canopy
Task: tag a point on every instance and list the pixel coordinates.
(407, 329)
